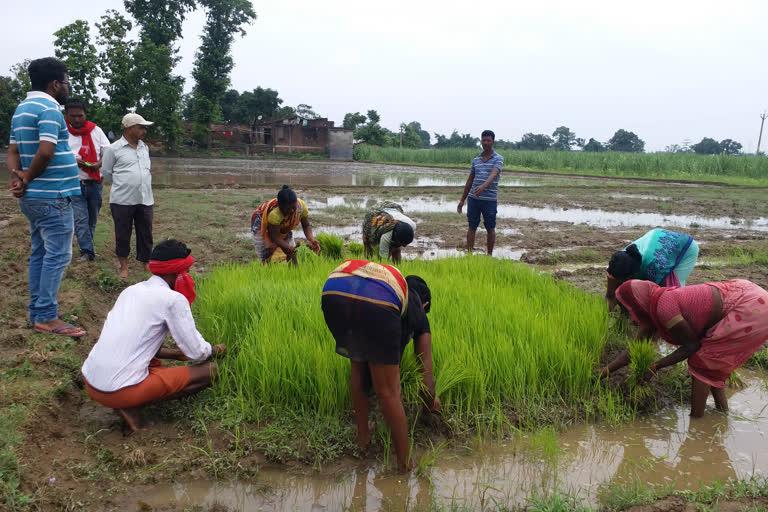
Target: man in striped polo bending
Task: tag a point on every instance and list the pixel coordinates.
(482, 187)
(44, 178)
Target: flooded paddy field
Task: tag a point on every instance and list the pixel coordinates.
(71, 453)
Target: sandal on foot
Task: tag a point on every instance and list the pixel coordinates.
(62, 331)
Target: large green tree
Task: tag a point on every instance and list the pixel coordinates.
(707, 146)
(535, 142)
(353, 120)
(74, 48)
(730, 147)
(408, 137)
(13, 89)
(372, 132)
(213, 62)
(593, 146)
(423, 134)
(155, 57)
(564, 138)
(254, 105)
(117, 73)
(626, 141)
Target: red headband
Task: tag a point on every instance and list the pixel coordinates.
(185, 285)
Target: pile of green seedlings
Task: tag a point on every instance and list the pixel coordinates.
(506, 340)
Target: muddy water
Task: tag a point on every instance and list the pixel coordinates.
(590, 217)
(198, 171)
(669, 448)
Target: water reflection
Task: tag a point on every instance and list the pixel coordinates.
(178, 172)
(597, 218)
(664, 449)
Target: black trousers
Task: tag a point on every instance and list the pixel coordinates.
(127, 216)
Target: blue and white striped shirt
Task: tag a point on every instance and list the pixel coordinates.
(39, 118)
(482, 169)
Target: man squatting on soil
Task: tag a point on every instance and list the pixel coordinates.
(482, 187)
(123, 370)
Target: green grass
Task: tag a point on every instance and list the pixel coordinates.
(744, 169)
(503, 335)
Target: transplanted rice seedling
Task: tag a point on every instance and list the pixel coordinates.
(330, 246)
(503, 336)
(641, 354)
(355, 250)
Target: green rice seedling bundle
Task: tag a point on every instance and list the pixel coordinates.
(642, 353)
(331, 246)
(503, 335)
(304, 254)
(355, 250)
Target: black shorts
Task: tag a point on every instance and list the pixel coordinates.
(364, 331)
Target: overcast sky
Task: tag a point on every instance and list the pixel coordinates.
(668, 70)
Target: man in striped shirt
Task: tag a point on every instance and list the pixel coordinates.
(482, 187)
(44, 178)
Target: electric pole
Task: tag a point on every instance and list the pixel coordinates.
(763, 116)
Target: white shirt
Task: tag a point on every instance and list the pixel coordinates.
(100, 142)
(385, 242)
(128, 169)
(135, 330)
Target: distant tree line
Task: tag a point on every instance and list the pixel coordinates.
(117, 73)
(707, 146)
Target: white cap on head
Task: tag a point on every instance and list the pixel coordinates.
(134, 119)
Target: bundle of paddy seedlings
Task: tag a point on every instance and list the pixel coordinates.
(331, 246)
(642, 353)
(504, 337)
(354, 250)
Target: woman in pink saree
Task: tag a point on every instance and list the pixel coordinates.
(717, 327)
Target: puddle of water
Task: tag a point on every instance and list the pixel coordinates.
(597, 218)
(666, 448)
(192, 171)
(640, 196)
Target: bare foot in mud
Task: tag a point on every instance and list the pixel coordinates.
(132, 417)
(364, 438)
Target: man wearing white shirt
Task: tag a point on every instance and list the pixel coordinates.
(123, 370)
(87, 142)
(126, 164)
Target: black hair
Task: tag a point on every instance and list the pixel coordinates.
(170, 250)
(488, 133)
(402, 235)
(76, 103)
(418, 285)
(625, 264)
(44, 71)
(286, 196)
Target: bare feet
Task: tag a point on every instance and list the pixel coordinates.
(132, 417)
(364, 438)
(123, 272)
(146, 267)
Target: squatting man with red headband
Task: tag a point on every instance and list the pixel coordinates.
(123, 370)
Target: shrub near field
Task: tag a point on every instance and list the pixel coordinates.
(503, 336)
(729, 169)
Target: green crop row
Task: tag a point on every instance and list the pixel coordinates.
(742, 169)
(503, 336)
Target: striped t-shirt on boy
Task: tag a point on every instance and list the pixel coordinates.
(482, 169)
(39, 118)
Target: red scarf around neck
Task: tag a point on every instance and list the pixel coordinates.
(185, 285)
(87, 149)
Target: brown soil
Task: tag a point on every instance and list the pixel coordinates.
(84, 447)
(680, 504)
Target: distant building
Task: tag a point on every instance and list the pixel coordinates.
(295, 134)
